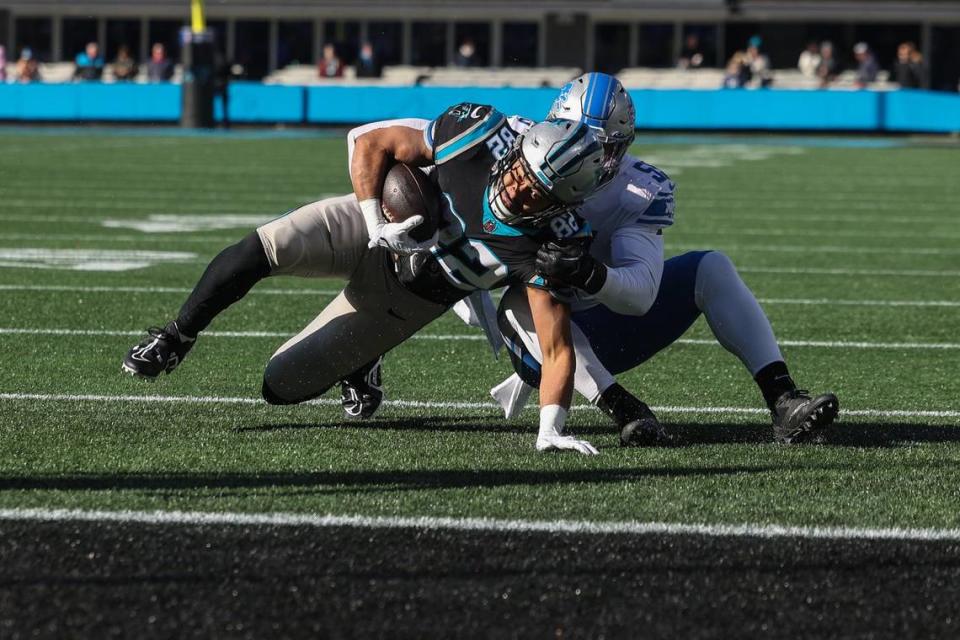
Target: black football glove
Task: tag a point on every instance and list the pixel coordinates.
(570, 264)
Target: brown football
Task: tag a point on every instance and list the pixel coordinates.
(408, 191)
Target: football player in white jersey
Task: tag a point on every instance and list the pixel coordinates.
(637, 303)
(630, 302)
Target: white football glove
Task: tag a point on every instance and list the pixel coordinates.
(557, 442)
(551, 438)
(395, 236)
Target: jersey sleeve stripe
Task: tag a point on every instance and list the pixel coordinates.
(428, 134)
(469, 138)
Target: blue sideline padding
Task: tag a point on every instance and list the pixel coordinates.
(90, 101)
(254, 102)
(657, 109)
(914, 110)
(756, 109)
(344, 105)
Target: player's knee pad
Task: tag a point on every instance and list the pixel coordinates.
(716, 276)
(267, 391)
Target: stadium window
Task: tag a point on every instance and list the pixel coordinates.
(219, 29)
(345, 36)
(77, 32)
(944, 62)
(781, 42)
(253, 47)
(520, 40)
(479, 34)
(35, 33)
(611, 46)
(122, 33)
(295, 43)
(429, 44)
(387, 41)
(167, 33)
(655, 48)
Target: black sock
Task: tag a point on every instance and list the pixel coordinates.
(228, 278)
(774, 380)
(620, 405)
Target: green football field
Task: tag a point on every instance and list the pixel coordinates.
(852, 246)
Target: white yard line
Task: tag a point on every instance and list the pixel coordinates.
(829, 344)
(429, 404)
(331, 292)
(150, 290)
(198, 518)
(818, 271)
(808, 247)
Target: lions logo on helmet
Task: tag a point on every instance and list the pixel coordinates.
(600, 101)
(566, 162)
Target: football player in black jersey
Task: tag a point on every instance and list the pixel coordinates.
(505, 197)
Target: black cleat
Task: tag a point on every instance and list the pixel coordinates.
(644, 431)
(162, 350)
(639, 426)
(362, 391)
(798, 418)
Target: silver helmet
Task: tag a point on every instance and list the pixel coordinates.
(561, 160)
(600, 101)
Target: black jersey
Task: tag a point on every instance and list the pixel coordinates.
(475, 249)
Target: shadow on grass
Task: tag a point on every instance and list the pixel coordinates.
(359, 481)
(842, 434)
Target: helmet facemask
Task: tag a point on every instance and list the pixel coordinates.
(515, 166)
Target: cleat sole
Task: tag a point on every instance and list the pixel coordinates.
(130, 371)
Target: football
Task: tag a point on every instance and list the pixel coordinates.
(408, 191)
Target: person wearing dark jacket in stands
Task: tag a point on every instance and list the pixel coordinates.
(367, 64)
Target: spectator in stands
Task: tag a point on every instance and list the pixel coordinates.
(89, 63)
(867, 67)
(3, 63)
(737, 72)
(809, 60)
(367, 64)
(908, 69)
(27, 69)
(758, 63)
(221, 84)
(160, 67)
(125, 68)
(330, 65)
(691, 56)
(827, 69)
(466, 55)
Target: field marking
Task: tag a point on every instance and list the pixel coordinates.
(912, 273)
(828, 344)
(149, 290)
(815, 248)
(333, 292)
(431, 404)
(280, 519)
(776, 248)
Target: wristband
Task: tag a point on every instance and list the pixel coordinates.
(372, 215)
(552, 419)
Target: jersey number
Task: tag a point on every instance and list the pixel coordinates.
(564, 226)
(500, 142)
(471, 262)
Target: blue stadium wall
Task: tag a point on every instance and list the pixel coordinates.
(722, 109)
